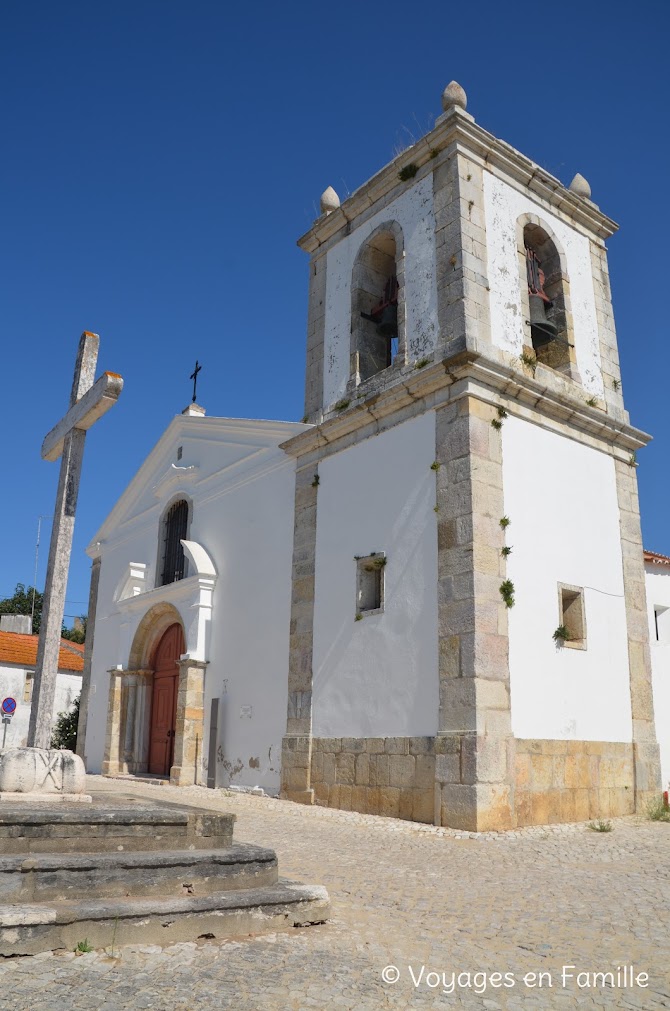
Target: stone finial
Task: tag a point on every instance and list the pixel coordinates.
(452, 95)
(580, 186)
(329, 201)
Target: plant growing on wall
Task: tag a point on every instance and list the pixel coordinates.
(408, 172)
(507, 592)
(342, 405)
(529, 360)
(506, 550)
(505, 522)
(316, 482)
(561, 635)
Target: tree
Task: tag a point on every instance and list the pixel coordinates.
(78, 632)
(22, 603)
(64, 734)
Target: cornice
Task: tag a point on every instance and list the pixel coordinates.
(458, 130)
(467, 374)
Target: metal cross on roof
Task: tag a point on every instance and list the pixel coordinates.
(194, 377)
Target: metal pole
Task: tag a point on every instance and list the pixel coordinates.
(37, 551)
(4, 736)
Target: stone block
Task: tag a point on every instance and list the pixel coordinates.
(396, 745)
(379, 770)
(345, 797)
(345, 768)
(483, 759)
(359, 799)
(374, 745)
(421, 745)
(389, 801)
(522, 778)
(424, 772)
(354, 745)
(541, 772)
(448, 768)
(423, 805)
(401, 770)
(362, 770)
(328, 769)
(38, 770)
(406, 804)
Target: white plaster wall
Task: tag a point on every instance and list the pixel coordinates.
(12, 683)
(378, 677)
(243, 516)
(413, 210)
(503, 206)
(561, 499)
(657, 579)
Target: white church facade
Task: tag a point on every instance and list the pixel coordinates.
(428, 599)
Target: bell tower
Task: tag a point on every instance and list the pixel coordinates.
(470, 470)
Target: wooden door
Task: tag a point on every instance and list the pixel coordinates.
(164, 700)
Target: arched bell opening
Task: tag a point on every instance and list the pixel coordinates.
(545, 287)
(378, 304)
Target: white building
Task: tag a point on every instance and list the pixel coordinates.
(657, 568)
(428, 600)
(18, 655)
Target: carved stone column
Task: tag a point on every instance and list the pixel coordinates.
(190, 724)
(110, 764)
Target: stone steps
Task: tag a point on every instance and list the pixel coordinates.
(50, 878)
(29, 929)
(117, 872)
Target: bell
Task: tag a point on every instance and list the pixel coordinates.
(542, 329)
(388, 324)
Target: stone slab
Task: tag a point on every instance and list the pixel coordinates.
(46, 798)
(29, 929)
(116, 823)
(28, 879)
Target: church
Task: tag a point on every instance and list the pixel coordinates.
(427, 599)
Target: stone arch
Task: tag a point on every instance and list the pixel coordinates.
(378, 268)
(149, 632)
(536, 235)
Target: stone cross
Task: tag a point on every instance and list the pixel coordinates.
(88, 401)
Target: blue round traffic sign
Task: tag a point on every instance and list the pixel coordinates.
(8, 705)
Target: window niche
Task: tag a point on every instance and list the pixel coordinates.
(370, 584)
(572, 615)
(546, 299)
(174, 529)
(378, 304)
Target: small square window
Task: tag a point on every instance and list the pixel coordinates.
(571, 615)
(370, 583)
(28, 686)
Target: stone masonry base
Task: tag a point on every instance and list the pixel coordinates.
(553, 781)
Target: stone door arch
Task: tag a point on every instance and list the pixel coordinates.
(128, 736)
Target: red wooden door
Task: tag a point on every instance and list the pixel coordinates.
(164, 700)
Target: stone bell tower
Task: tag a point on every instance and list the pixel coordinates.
(468, 635)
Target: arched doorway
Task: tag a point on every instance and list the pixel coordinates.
(164, 700)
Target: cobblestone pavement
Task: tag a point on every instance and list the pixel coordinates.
(418, 898)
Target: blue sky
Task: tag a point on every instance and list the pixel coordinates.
(159, 159)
